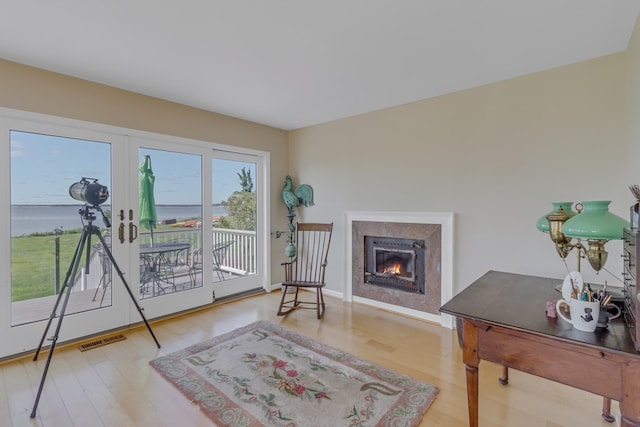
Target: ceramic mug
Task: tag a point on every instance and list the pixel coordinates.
(583, 314)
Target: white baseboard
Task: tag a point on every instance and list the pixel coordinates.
(443, 319)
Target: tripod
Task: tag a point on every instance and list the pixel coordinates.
(88, 230)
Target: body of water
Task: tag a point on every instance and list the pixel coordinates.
(29, 219)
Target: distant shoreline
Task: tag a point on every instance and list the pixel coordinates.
(30, 219)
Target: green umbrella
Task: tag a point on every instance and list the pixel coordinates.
(148, 215)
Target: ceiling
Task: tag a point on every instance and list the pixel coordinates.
(296, 63)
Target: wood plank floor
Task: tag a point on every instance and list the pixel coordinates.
(114, 385)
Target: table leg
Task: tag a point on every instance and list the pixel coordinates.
(471, 362)
(630, 403)
(606, 410)
(504, 379)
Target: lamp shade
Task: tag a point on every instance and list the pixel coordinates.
(543, 222)
(595, 222)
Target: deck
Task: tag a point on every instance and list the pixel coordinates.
(37, 309)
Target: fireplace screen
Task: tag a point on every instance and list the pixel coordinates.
(395, 263)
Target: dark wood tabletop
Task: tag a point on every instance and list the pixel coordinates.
(518, 301)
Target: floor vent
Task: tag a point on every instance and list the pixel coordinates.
(101, 342)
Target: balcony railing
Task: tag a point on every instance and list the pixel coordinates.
(239, 257)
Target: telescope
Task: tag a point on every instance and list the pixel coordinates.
(89, 191)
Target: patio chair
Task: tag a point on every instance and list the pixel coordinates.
(219, 255)
(306, 270)
(195, 266)
(106, 275)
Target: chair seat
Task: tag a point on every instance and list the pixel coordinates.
(303, 284)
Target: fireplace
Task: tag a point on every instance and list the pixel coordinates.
(433, 234)
(396, 263)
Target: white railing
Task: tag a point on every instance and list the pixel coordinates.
(239, 257)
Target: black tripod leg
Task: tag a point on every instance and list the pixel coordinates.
(126, 285)
(67, 292)
(71, 272)
(51, 317)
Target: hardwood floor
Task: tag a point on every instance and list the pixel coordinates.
(114, 385)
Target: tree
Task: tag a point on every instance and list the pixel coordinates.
(242, 212)
(246, 182)
(241, 205)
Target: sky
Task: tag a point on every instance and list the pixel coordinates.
(43, 167)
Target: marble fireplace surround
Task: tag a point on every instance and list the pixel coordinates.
(436, 228)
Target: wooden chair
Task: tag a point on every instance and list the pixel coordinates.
(306, 269)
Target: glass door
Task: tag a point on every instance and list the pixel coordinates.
(169, 206)
(200, 241)
(58, 183)
(82, 203)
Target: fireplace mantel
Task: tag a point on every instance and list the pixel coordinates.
(444, 220)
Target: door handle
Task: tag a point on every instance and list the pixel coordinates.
(133, 232)
(121, 232)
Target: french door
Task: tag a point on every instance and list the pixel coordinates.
(73, 202)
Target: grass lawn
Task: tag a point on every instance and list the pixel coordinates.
(33, 263)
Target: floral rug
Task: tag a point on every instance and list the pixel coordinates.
(263, 374)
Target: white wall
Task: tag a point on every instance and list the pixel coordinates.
(496, 156)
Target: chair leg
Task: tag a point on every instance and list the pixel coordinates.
(319, 303)
(296, 303)
(291, 304)
(280, 307)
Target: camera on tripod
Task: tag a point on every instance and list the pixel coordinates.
(86, 190)
(89, 191)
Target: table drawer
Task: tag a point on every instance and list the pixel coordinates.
(589, 369)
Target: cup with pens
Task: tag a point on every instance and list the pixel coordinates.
(588, 309)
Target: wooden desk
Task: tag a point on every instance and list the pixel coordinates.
(504, 321)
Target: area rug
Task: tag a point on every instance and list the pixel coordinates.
(265, 375)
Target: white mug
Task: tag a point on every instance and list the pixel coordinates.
(584, 314)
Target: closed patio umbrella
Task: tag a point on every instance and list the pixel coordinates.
(148, 215)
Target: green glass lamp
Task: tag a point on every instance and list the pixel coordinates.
(552, 222)
(597, 226)
(595, 222)
(543, 222)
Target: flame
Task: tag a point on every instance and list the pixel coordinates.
(392, 269)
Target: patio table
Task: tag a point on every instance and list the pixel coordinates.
(157, 263)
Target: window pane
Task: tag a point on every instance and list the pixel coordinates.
(234, 232)
(47, 223)
(170, 222)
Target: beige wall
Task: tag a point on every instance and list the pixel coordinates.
(35, 90)
(496, 156)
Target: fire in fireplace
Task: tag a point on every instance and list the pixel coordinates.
(395, 263)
